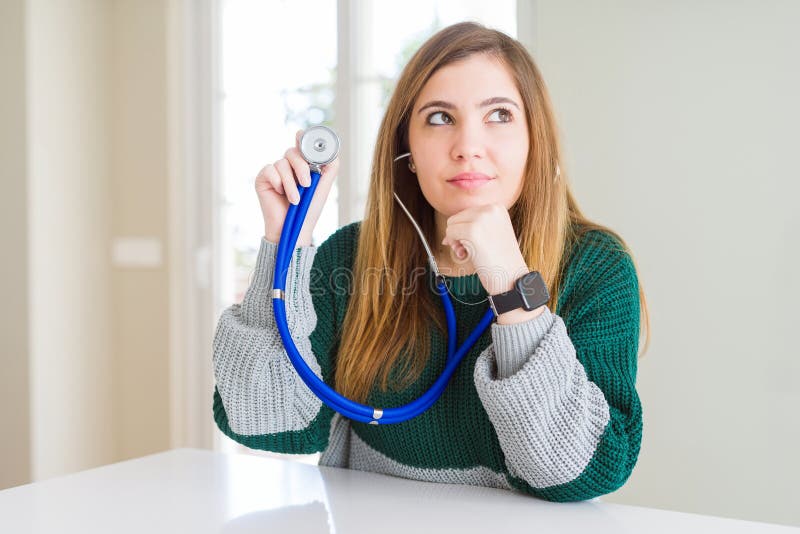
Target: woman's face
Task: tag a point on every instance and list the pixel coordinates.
(469, 118)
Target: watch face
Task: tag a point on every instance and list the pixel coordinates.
(533, 290)
(530, 283)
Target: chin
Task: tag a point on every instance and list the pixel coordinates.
(451, 208)
(468, 200)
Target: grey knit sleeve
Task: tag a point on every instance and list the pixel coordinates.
(548, 416)
(260, 390)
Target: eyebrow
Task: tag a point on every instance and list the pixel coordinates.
(487, 102)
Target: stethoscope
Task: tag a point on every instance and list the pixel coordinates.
(320, 145)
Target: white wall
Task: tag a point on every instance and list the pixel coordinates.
(681, 129)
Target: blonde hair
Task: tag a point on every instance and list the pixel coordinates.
(384, 325)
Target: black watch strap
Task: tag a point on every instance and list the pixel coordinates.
(529, 293)
(505, 302)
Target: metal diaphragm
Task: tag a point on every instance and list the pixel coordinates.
(319, 145)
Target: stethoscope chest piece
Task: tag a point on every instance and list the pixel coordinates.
(319, 145)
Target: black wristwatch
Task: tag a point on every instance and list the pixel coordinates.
(530, 292)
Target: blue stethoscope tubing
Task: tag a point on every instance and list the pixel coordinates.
(292, 225)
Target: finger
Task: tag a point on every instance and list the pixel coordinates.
(288, 179)
(458, 231)
(464, 250)
(459, 253)
(300, 166)
(297, 136)
(269, 175)
(329, 172)
(331, 168)
(460, 245)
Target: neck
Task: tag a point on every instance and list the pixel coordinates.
(441, 224)
(449, 269)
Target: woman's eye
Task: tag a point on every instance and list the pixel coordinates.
(443, 120)
(503, 114)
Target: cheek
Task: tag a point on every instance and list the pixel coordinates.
(431, 189)
(521, 145)
(428, 155)
(432, 163)
(513, 155)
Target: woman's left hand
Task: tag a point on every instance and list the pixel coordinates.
(485, 236)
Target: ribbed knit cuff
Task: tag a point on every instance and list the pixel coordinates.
(257, 301)
(549, 416)
(515, 343)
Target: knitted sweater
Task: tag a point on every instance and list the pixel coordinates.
(547, 407)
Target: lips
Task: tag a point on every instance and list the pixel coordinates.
(469, 176)
(469, 180)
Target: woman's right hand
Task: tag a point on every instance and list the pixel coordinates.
(276, 186)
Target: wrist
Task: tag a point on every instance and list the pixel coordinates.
(507, 278)
(519, 315)
(302, 240)
(512, 300)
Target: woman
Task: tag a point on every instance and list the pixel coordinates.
(545, 402)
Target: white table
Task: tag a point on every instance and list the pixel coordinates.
(197, 491)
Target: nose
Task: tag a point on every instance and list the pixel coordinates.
(468, 143)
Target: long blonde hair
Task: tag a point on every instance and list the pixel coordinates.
(384, 323)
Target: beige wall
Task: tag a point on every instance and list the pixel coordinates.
(15, 453)
(85, 343)
(139, 188)
(71, 358)
(680, 121)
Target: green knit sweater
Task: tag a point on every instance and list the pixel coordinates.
(547, 407)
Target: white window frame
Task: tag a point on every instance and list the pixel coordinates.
(194, 78)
